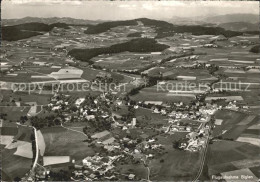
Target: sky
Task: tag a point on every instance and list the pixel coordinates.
(120, 10)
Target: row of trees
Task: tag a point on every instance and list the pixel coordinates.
(48, 121)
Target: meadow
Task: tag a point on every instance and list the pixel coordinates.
(177, 165)
(228, 156)
(62, 142)
(15, 159)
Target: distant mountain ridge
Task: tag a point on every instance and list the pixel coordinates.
(187, 21)
(52, 20)
(216, 19)
(232, 22)
(249, 18)
(240, 26)
(162, 28)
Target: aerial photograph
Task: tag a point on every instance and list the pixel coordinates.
(130, 91)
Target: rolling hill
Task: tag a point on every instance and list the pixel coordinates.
(103, 27)
(163, 28)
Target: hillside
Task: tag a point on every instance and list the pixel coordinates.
(103, 27)
(135, 45)
(27, 30)
(163, 28)
(201, 30)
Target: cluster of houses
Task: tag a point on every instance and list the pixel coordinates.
(196, 140)
(194, 120)
(94, 166)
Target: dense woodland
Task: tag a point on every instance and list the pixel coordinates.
(103, 27)
(135, 45)
(27, 30)
(136, 34)
(255, 49)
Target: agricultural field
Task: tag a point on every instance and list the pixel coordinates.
(15, 155)
(43, 70)
(24, 99)
(226, 156)
(25, 77)
(138, 169)
(147, 118)
(62, 142)
(14, 113)
(233, 125)
(164, 97)
(171, 91)
(127, 60)
(240, 75)
(146, 96)
(174, 164)
(174, 86)
(180, 73)
(69, 73)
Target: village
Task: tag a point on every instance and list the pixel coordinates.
(137, 99)
(117, 133)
